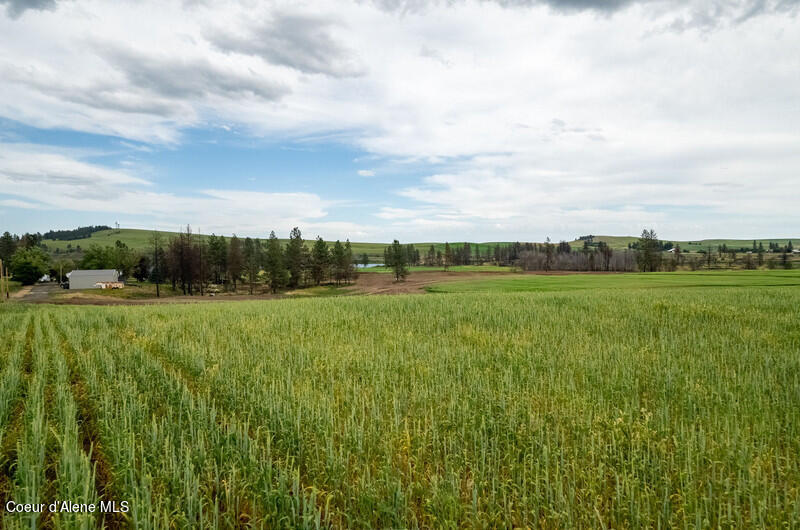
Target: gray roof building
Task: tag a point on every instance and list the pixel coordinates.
(88, 279)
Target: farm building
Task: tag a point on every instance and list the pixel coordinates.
(92, 279)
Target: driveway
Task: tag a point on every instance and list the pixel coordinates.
(37, 293)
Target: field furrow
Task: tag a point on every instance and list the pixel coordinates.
(30, 472)
(204, 470)
(619, 409)
(11, 401)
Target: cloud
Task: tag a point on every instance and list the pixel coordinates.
(36, 178)
(179, 78)
(15, 203)
(366, 173)
(627, 110)
(300, 41)
(15, 8)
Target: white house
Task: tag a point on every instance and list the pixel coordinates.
(92, 279)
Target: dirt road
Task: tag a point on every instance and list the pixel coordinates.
(36, 293)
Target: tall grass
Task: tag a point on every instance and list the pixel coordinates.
(606, 409)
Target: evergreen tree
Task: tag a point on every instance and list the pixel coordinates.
(251, 263)
(275, 264)
(350, 265)
(142, 268)
(649, 251)
(448, 256)
(430, 257)
(320, 260)
(7, 247)
(295, 257)
(338, 262)
(218, 257)
(235, 260)
(398, 260)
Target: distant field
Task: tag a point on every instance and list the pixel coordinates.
(604, 408)
(571, 282)
(622, 242)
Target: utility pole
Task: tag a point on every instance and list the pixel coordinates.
(4, 279)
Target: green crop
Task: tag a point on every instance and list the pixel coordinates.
(607, 408)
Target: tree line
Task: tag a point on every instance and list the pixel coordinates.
(81, 232)
(196, 265)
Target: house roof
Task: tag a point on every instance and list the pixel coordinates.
(93, 272)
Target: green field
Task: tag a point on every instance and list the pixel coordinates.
(605, 408)
(571, 282)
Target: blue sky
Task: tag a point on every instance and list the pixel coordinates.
(416, 120)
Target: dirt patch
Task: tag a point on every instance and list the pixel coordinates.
(89, 299)
(415, 283)
(367, 283)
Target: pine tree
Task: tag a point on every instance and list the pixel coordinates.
(295, 257)
(448, 256)
(218, 256)
(275, 265)
(338, 265)
(649, 252)
(7, 247)
(251, 263)
(320, 260)
(235, 260)
(350, 265)
(397, 257)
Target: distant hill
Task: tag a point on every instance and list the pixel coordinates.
(139, 240)
(621, 242)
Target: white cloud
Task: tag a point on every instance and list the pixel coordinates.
(58, 181)
(366, 173)
(541, 120)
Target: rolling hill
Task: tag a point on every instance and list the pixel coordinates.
(139, 240)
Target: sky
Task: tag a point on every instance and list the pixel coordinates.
(423, 121)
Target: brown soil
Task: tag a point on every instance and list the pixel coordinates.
(89, 299)
(415, 283)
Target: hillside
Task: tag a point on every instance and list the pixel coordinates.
(621, 242)
(139, 240)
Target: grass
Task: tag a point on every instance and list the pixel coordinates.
(571, 282)
(320, 290)
(607, 408)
